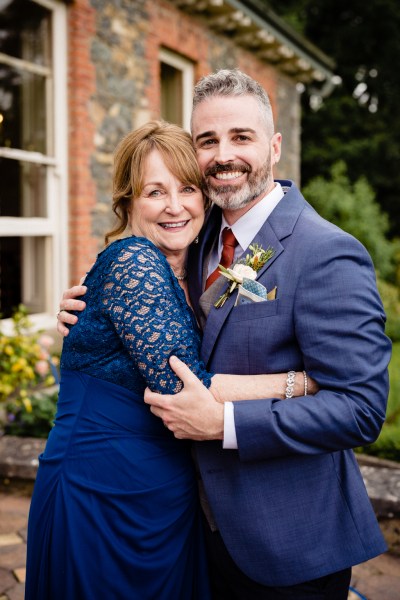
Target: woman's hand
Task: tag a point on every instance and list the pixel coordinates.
(69, 302)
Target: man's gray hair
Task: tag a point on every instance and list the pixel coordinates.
(233, 82)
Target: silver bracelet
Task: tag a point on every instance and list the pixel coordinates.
(291, 376)
(305, 383)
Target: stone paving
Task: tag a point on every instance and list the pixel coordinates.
(14, 507)
(377, 579)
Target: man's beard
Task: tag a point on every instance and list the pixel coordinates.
(232, 197)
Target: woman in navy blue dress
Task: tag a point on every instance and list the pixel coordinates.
(114, 513)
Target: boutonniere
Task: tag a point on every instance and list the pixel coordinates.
(246, 268)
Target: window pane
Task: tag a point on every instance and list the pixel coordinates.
(24, 31)
(23, 189)
(22, 110)
(34, 267)
(24, 34)
(10, 275)
(22, 274)
(171, 94)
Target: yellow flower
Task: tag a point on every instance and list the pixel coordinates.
(5, 388)
(28, 404)
(19, 365)
(29, 372)
(9, 350)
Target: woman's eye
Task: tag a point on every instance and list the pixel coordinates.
(188, 189)
(154, 193)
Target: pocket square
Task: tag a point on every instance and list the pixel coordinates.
(246, 297)
(253, 291)
(250, 291)
(255, 287)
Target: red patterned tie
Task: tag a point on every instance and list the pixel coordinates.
(229, 242)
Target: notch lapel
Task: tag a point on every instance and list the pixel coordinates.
(276, 228)
(199, 256)
(217, 316)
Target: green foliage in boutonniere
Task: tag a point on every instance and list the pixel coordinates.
(245, 268)
(258, 258)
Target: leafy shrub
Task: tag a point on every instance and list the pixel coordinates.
(353, 207)
(34, 417)
(27, 370)
(388, 443)
(390, 295)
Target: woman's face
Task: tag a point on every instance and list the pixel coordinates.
(168, 212)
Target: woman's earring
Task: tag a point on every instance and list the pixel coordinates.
(196, 240)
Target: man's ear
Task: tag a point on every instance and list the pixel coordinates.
(276, 147)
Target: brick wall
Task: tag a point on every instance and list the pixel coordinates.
(81, 88)
(114, 86)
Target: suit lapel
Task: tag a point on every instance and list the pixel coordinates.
(199, 256)
(279, 225)
(266, 237)
(276, 228)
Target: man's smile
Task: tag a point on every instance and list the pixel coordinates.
(224, 175)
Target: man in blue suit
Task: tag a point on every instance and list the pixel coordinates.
(287, 511)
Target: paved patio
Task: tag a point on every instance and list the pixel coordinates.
(377, 579)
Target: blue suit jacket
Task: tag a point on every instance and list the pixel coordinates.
(290, 503)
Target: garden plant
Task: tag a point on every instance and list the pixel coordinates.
(28, 378)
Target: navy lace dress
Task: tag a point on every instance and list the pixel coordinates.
(114, 512)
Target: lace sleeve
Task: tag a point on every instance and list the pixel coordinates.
(149, 312)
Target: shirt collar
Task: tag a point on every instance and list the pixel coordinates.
(246, 228)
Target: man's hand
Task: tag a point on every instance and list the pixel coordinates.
(67, 303)
(193, 413)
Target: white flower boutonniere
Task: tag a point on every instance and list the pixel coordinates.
(246, 268)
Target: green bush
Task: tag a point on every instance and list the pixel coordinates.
(27, 370)
(388, 444)
(34, 419)
(391, 300)
(353, 208)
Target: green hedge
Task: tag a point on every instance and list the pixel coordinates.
(388, 443)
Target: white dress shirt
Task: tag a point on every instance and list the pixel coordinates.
(245, 230)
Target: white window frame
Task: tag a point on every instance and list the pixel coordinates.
(54, 227)
(187, 68)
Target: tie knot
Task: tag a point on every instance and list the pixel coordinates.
(228, 238)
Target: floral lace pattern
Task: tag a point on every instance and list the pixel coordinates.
(136, 318)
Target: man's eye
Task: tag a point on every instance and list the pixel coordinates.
(242, 138)
(209, 142)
